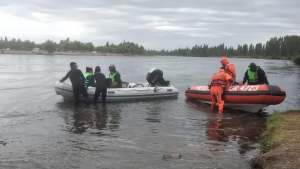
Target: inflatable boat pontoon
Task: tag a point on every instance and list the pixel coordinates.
(156, 88)
(249, 98)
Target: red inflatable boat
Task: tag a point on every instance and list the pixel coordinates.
(251, 98)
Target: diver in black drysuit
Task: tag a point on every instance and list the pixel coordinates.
(156, 78)
(77, 80)
(101, 87)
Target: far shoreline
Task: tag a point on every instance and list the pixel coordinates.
(23, 52)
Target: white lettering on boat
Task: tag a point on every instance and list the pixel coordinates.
(202, 88)
(233, 88)
(249, 88)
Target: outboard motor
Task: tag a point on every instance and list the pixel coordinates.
(155, 77)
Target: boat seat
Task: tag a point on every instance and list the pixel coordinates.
(125, 84)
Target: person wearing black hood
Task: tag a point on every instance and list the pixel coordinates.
(77, 80)
(255, 75)
(101, 87)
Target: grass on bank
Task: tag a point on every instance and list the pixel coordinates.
(297, 60)
(280, 142)
(280, 129)
(273, 128)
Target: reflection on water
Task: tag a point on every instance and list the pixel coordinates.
(226, 129)
(40, 130)
(80, 120)
(232, 126)
(101, 119)
(245, 129)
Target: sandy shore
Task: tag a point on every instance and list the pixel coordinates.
(280, 143)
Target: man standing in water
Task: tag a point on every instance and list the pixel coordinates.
(218, 83)
(77, 80)
(101, 87)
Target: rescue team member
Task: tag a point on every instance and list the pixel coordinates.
(218, 83)
(77, 80)
(101, 87)
(115, 77)
(255, 75)
(88, 81)
(229, 68)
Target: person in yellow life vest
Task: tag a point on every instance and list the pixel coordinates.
(255, 75)
(88, 80)
(229, 68)
(218, 83)
(115, 77)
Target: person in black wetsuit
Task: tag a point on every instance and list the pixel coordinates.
(155, 77)
(77, 80)
(101, 87)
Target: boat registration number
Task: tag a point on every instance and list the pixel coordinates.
(202, 88)
(244, 88)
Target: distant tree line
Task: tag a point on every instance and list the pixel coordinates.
(74, 46)
(288, 46)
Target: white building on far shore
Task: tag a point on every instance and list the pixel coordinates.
(36, 49)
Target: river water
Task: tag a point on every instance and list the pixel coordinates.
(39, 130)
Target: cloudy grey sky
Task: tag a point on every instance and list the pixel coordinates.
(156, 24)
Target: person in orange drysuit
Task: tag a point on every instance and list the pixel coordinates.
(218, 83)
(229, 68)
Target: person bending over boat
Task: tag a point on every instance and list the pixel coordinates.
(255, 75)
(115, 77)
(229, 69)
(88, 81)
(101, 87)
(155, 77)
(77, 80)
(218, 83)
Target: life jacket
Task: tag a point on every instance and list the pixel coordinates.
(112, 77)
(218, 79)
(221, 79)
(86, 80)
(230, 69)
(253, 76)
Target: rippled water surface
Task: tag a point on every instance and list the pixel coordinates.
(40, 130)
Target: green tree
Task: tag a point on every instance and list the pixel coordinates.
(258, 49)
(251, 50)
(245, 49)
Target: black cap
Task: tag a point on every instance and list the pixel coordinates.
(252, 67)
(72, 63)
(97, 69)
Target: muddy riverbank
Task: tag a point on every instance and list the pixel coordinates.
(280, 142)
